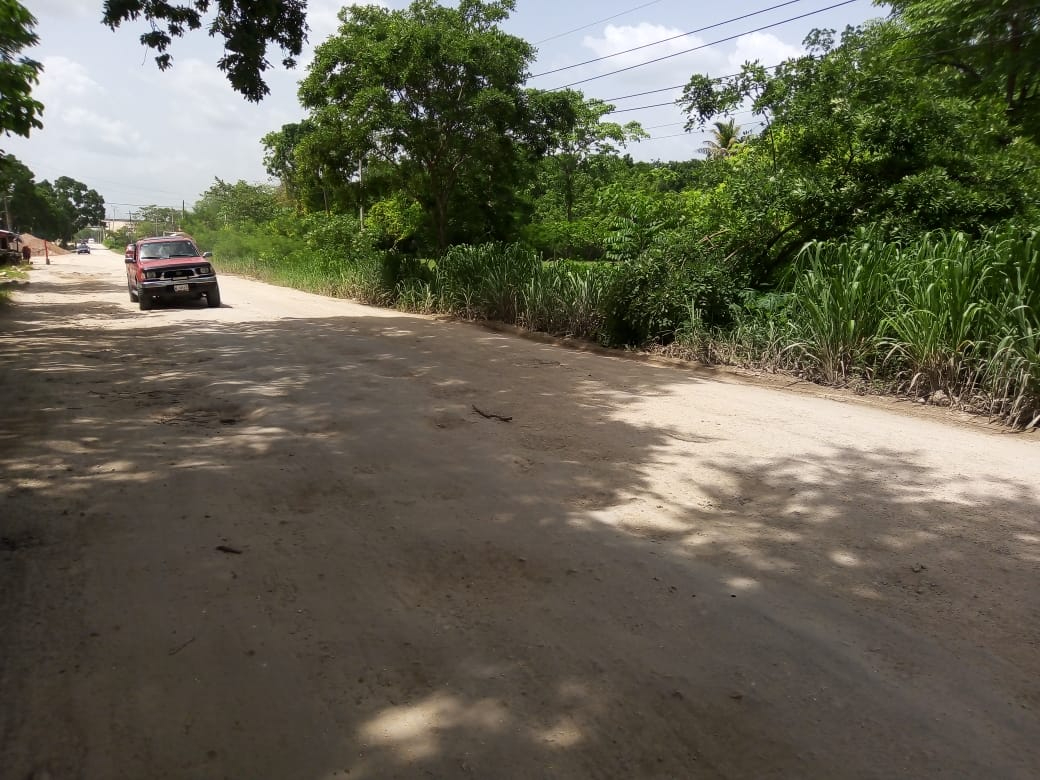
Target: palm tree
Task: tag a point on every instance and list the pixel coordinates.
(725, 140)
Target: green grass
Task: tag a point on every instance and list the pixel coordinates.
(944, 313)
(842, 292)
(8, 274)
(18, 272)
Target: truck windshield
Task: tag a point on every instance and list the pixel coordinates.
(167, 249)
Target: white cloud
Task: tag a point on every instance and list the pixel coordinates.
(669, 142)
(64, 79)
(764, 47)
(323, 19)
(93, 132)
(677, 63)
(65, 8)
(622, 38)
(202, 96)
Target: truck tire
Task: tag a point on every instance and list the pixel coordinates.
(213, 297)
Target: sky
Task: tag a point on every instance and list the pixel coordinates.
(140, 136)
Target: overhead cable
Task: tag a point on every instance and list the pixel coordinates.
(704, 45)
(640, 108)
(641, 94)
(771, 67)
(717, 79)
(666, 40)
(599, 21)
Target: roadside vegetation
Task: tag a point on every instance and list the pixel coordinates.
(10, 275)
(59, 211)
(871, 224)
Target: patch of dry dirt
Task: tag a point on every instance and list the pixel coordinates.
(276, 540)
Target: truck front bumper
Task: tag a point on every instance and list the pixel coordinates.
(191, 287)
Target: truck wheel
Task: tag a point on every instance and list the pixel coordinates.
(133, 295)
(213, 298)
(144, 301)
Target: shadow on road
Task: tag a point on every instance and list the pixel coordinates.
(413, 588)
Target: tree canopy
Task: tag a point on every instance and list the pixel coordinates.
(19, 113)
(234, 204)
(248, 28)
(56, 210)
(864, 131)
(980, 46)
(437, 93)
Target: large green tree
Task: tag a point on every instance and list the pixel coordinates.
(980, 47)
(31, 211)
(82, 205)
(315, 166)
(438, 93)
(56, 210)
(583, 157)
(19, 113)
(282, 160)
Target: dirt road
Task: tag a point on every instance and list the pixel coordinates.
(275, 540)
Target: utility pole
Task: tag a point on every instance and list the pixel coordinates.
(7, 210)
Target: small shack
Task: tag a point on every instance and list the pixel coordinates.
(10, 253)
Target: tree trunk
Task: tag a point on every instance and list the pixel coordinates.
(440, 218)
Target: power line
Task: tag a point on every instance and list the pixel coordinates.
(682, 135)
(771, 67)
(661, 105)
(666, 40)
(662, 137)
(672, 103)
(593, 24)
(672, 124)
(680, 86)
(640, 108)
(717, 79)
(705, 45)
(640, 94)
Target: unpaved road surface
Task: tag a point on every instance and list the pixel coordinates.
(647, 573)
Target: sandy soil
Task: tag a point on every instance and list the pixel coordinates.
(52, 249)
(646, 573)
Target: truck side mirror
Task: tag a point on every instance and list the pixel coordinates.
(207, 254)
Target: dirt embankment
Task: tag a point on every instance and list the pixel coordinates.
(37, 246)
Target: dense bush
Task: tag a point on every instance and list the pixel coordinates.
(649, 299)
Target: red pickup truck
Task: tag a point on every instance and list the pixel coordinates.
(168, 269)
